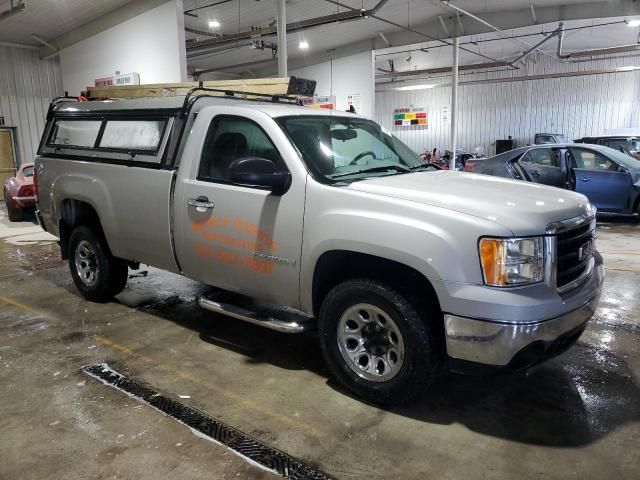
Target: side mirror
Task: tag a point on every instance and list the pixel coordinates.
(259, 172)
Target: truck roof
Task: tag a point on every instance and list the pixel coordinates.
(273, 109)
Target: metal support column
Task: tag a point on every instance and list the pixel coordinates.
(454, 105)
(282, 39)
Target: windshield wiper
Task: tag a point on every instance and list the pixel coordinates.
(426, 165)
(397, 168)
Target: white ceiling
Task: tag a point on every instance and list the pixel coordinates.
(579, 35)
(237, 16)
(51, 18)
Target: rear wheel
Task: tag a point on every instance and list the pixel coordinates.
(98, 275)
(14, 213)
(377, 342)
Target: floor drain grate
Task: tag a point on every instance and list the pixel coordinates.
(234, 439)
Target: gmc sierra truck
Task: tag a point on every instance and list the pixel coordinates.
(308, 219)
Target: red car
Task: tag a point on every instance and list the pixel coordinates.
(19, 193)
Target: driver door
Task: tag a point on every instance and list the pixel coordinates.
(238, 237)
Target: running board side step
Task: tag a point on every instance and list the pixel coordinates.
(295, 322)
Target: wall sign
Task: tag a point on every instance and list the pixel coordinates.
(354, 99)
(410, 116)
(320, 101)
(446, 114)
(117, 80)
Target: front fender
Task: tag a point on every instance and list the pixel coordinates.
(438, 243)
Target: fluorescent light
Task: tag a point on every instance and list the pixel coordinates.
(416, 87)
(214, 24)
(627, 69)
(633, 22)
(303, 45)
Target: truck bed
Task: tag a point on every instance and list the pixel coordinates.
(133, 204)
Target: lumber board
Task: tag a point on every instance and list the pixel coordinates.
(286, 86)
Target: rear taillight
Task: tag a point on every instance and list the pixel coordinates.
(25, 191)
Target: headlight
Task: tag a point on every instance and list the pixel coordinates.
(512, 261)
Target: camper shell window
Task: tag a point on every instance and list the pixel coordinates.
(75, 133)
(109, 138)
(132, 135)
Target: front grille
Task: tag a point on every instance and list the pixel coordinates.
(575, 249)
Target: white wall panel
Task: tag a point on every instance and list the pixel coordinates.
(576, 106)
(151, 44)
(342, 77)
(27, 85)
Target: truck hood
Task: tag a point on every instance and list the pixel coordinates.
(522, 207)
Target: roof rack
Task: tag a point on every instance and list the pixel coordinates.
(257, 87)
(60, 99)
(196, 92)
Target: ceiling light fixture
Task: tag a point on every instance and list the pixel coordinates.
(303, 45)
(630, 68)
(214, 24)
(633, 22)
(416, 87)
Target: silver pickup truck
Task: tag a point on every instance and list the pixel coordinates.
(309, 219)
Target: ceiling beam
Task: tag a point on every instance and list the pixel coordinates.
(517, 18)
(504, 19)
(13, 9)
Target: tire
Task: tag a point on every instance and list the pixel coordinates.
(353, 307)
(15, 214)
(97, 274)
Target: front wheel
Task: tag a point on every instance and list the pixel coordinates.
(377, 342)
(97, 274)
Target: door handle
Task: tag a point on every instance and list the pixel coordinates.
(585, 179)
(201, 204)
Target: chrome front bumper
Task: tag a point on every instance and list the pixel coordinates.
(496, 344)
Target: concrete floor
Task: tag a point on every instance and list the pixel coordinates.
(576, 416)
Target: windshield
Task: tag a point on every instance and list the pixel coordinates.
(623, 159)
(27, 171)
(338, 147)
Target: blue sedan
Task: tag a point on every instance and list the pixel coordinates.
(609, 178)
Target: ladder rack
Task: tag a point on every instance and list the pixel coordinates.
(259, 87)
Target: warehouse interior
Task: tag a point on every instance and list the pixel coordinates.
(454, 296)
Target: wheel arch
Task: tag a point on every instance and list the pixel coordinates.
(71, 214)
(336, 266)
